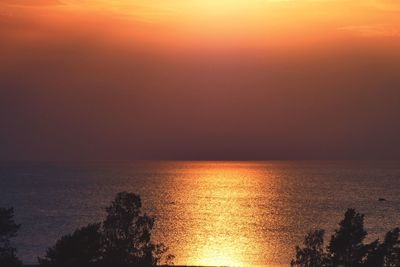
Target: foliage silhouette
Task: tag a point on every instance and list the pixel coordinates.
(8, 230)
(122, 240)
(391, 248)
(81, 249)
(386, 254)
(346, 247)
(127, 233)
(312, 254)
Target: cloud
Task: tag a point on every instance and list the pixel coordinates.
(17, 11)
(30, 3)
(373, 30)
(385, 5)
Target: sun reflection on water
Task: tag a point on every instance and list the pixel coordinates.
(222, 214)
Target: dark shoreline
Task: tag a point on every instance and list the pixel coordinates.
(37, 265)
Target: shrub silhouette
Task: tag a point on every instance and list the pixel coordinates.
(312, 254)
(390, 249)
(122, 240)
(81, 249)
(346, 247)
(127, 233)
(8, 230)
(386, 254)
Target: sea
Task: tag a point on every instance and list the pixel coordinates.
(209, 213)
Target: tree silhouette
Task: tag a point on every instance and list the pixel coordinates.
(8, 230)
(81, 249)
(391, 249)
(386, 254)
(127, 233)
(122, 240)
(346, 245)
(312, 253)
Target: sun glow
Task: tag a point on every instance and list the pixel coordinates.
(223, 23)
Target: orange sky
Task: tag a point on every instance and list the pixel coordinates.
(196, 23)
(221, 79)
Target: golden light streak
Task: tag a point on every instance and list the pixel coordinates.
(222, 194)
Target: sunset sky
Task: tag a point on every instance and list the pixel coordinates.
(198, 79)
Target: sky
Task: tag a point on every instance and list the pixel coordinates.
(199, 79)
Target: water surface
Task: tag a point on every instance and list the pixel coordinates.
(208, 213)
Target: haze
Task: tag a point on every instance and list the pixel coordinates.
(196, 79)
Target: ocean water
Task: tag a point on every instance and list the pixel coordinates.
(208, 213)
